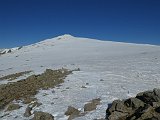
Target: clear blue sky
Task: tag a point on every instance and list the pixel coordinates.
(23, 22)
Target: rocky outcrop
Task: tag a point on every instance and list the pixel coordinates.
(13, 106)
(26, 88)
(92, 105)
(72, 112)
(4, 51)
(14, 76)
(30, 107)
(28, 112)
(145, 106)
(42, 116)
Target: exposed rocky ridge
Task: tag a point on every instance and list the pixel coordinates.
(14, 76)
(4, 51)
(145, 106)
(25, 89)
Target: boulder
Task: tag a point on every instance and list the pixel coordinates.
(42, 116)
(134, 103)
(28, 112)
(145, 106)
(157, 92)
(13, 106)
(156, 104)
(118, 106)
(92, 105)
(149, 96)
(117, 116)
(72, 112)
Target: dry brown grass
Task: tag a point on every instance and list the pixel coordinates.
(28, 87)
(14, 76)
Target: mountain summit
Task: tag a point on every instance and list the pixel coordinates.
(102, 71)
(65, 36)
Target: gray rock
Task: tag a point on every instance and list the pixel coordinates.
(147, 113)
(28, 112)
(157, 92)
(72, 111)
(42, 116)
(149, 96)
(117, 116)
(92, 105)
(13, 106)
(119, 106)
(156, 104)
(134, 103)
(145, 106)
(112, 108)
(157, 109)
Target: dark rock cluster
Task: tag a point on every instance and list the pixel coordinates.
(27, 88)
(42, 116)
(92, 105)
(14, 76)
(72, 112)
(13, 106)
(145, 106)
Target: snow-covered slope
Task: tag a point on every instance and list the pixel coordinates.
(111, 70)
(4, 51)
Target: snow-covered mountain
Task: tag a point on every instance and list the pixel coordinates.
(4, 51)
(108, 70)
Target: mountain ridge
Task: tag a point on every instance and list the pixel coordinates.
(105, 70)
(69, 41)
(68, 36)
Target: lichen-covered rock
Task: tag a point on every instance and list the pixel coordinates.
(42, 116)
(72, 112)
(92, 105)
(28, 112)
(117, 116)
(134, 103)
(157, 109)
(119, 106)
(13, 106)
(157, 92)
(145, 106)
(149, 96)
(28, 100)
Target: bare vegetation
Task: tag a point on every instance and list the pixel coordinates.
(14, 76)
(27, 88)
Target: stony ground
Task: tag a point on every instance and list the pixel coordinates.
(14, 76)
(27, 88)
(145, 106)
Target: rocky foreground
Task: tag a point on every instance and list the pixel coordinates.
(25, 90)
(145, 106)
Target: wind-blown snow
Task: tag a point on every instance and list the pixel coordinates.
(112, 70)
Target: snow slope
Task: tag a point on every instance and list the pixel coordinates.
(112, 70)
(4, 51)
